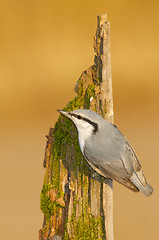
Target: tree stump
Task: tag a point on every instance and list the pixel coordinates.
(77, 202)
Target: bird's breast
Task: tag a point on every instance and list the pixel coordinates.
(81, 143)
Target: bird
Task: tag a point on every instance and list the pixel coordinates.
(107, 150)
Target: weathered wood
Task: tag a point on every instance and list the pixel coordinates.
(107, 101)
(78, 203)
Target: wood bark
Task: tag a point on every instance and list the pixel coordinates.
(77, 202)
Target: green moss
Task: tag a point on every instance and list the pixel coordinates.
(65, 134)
(48, 206)
(86, 227)
(90, 92)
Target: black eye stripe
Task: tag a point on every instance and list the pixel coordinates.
(95, 125)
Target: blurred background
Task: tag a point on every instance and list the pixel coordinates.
(44, 47)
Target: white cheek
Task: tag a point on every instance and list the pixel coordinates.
(84, 132)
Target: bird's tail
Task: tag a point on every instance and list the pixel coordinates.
(146, 189)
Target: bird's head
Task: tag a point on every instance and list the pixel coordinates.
(84, 119)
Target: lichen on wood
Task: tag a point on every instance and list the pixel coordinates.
(72, 193)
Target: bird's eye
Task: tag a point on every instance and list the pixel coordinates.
(79, 117)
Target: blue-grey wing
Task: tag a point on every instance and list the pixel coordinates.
(109, 156)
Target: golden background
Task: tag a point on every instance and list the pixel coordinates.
(44, 47)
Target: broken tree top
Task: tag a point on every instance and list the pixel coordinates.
(72, 194)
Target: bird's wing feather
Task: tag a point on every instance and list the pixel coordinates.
(136, 163)
(112, 169)
(109, 172)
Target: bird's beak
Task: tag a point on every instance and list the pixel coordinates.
(64, 113)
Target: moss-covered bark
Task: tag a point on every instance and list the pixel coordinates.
(72, 193)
